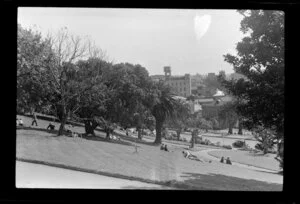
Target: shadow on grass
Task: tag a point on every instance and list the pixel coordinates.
(258, 154)
(101, 139)
(220, 182)
(38, 129)
(135, 140)
(94, 138)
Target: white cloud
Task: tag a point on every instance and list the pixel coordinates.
(201, 25)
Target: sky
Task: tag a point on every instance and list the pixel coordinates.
(189, 40)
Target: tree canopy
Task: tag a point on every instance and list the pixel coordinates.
(260, 57)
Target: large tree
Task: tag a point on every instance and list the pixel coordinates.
(34, 90)
(197, 123)
(68, 49)
(179, 119)
(260, 58)
(162, 104)
(116, 99)
(130, 82)
(228, 112)
(91, 104)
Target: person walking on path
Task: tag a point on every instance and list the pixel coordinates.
(34, 119)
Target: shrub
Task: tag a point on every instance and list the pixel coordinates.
(238, 144)
(198, 140)
(207, 142)
(272, 151)
(259, 146)
(227, 146)
(218, 144)
(184, 140)
(246, 147)
(202, 142)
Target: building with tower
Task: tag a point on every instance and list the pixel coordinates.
(180, 85)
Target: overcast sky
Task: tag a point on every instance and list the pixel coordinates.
(190, 41)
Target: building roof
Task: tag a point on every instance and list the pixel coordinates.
(205, 100)
(226, 98)
(180, 98)
(219, 93)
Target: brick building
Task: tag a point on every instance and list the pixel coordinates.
(180, 85)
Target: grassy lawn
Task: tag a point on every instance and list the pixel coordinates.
(94, 154)
(255, 159)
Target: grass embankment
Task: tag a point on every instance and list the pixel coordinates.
(151, 165)
(245, 157)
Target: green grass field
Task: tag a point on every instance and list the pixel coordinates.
(150, 164)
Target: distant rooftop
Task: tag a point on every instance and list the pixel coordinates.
(179, 97)
(219, 93)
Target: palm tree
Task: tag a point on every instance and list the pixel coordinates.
(163, 105)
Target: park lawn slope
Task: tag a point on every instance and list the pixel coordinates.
(149, 164)
(245, 157)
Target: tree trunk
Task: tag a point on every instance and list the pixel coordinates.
(193, 139)
(158, 128)
(230, 129)
(62, 124)
(107, 130)
(89, 127)
(280, 154)
(240, 129)
(265, 150)
(94, 126)
(178, 134)
(139, 133)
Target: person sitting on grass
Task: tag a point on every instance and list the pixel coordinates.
(51, 126)
(228, 161)
(166, 148)
(74, 134)
(19, 122)
(222, 160)
(162, 147)
(68, 129)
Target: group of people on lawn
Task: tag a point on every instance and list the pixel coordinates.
(188, 155)
(49, 127)
(21, 123)
(227, 160)
(164, 147)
